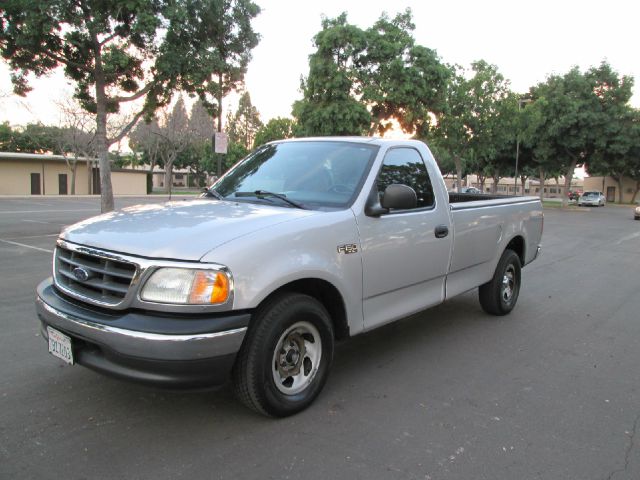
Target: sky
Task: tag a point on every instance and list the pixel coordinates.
(526, 40)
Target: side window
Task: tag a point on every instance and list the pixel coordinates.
(405, 166)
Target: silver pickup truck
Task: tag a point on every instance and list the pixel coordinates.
(302, 243)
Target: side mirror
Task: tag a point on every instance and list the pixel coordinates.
(401, 197)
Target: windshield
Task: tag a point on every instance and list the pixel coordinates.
(313, 174)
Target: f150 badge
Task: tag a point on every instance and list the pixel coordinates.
(348, 248)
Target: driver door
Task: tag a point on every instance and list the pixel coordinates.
(404, 263)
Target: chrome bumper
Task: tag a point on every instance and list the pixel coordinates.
(152, 346)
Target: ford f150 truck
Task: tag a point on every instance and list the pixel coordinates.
(302, 243)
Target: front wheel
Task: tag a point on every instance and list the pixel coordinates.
(500, 294)
(286, 356)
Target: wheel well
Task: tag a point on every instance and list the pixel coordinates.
(327, 295)
(517, 245)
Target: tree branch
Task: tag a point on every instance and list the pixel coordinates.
(107, 40)
(64, 61)
(125, 131)
(135, 96)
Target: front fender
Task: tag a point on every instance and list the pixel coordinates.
(306, 248)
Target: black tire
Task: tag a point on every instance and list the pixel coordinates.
(500, 294)
(280, 342)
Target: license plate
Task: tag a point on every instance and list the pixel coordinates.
(60, 345)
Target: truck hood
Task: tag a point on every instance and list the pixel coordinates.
(177, 230)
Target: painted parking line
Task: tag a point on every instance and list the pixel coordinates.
(627, 238)
(26, 246)
(33, 236)
(48, 211)
(36, 221)
(31, 202)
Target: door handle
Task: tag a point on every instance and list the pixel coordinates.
(441, 231)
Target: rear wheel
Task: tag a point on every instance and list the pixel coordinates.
(286, 356)
(500, 294)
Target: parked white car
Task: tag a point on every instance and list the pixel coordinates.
(594, 199)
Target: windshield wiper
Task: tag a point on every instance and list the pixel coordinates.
(210, 192)
(266, 193)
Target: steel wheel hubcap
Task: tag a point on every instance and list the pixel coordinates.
(296, 358)
(508, 284)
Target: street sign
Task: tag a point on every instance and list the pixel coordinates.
(221, 140)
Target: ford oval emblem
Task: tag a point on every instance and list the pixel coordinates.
(81, 274)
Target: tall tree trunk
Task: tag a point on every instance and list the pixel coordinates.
(523, 180)
(542, 180)
(168, 174)
(458, 163)
(567, 182)
(102, 146)
(494, 188)
(619, 182)
(74, 167)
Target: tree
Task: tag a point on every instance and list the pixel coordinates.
(209, 48)
(398, 79)
(361, 80)
(452, 133)
(121, 51)
(276, 129)
(618, 155)
(77, 136)
(146, 139)
(540, 160)
(32, 138)
(328, 106)
(199, 156)
(476, 125)
(574, 112)
(242, 126)
(175, 138)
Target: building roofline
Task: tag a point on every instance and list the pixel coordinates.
(42, 157)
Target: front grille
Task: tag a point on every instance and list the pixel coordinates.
(107, 280)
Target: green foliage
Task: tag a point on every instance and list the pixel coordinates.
(208, 47)
(118, 51)
(33, 138)
(575, 117)
(244, 124)
(618, 152)
(361, 80)
(6, 137)
(477, 125)
(275, 129)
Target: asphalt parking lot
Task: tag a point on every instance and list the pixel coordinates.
(551, 391)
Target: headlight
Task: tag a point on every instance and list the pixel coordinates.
(638, 210)
(187, 287)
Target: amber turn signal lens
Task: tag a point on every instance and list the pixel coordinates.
(209, 287)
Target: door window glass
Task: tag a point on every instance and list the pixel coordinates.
(405, 166)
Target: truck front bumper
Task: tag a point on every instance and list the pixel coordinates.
(173, 350)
